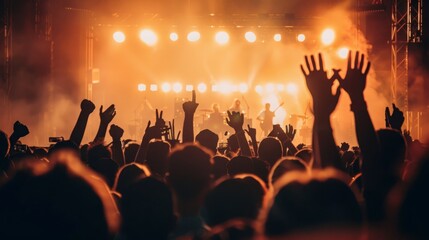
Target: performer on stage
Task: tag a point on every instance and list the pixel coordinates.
(266, 119)
(216, 115)
(236, 106)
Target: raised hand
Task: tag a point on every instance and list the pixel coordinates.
(107, 116)
(235, 120)
(160, 122)
(152, 132)
(87, 106)
(355, 81)
(290, 132)
(251, 132)
(395, 120)
(190, 107)
(116, 132)
(320, 86)
(344, 146)
(20, 130)
(172, 139)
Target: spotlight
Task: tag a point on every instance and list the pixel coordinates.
(222, 37)
(328, 36)
(343, 52)
(189, 88)
(269, 87)
(119, 37)
(300, 37)
(243, 88)
(194, 36)
(277, 37)
(141, 87)
(166, 87)
(291, 88)
(148, 37)
(174, 36)
(259, 89)
(202, 87)
(177, 87)
(250, 37)
(154, 87)
(225, 88)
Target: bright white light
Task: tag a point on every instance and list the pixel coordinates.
(291, 88)
(300, 37)
(277, 37)
(269, 87)
(343, 52)
(222, 37)
(141, 87)
(166, 87)
(194, 36)
(149, 37)
(174, 36)
(154, 87)
(202, 87)
(259, 89)
(243, 88)
(177, 87)
(274, 101)
(328, 36)
(189, 88)
(225, 88)
(119, 37)
(250, 37)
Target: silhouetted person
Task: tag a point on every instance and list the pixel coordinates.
(189, 176)
(234, 198)
(128, 174)
(60, 201)
(220, 166)
(130, 152)
(106, 167)
(208, 139)
(287, 165)
(147, 210)
(270, 150)
(157, 157)
(305, 203)
(239, 165)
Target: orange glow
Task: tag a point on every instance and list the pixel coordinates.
(119, 37)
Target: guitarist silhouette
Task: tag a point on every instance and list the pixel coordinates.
(266, 117)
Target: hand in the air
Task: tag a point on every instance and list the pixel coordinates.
(20, 130)
(87, 106)
(355, 81)
(116, 132)
(235, 120)
(344, 146)
(320, 87)
(290, 132)
(159, 122)
(107, 116)
(152, 132)
(190, 107)
(395, 120)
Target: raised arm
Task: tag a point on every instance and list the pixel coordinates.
(236, 121)
(189, 108)
(252, 134)
(117, 154)
(86, 108)
(354, 84)
(19, 131)
(105, 118)
(324, 103)
(151, 132)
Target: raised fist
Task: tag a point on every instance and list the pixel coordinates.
(20, 130)
(116, 132)
(87, 106)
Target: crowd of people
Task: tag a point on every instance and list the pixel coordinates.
(167, 188)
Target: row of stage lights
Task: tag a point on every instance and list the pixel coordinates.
(150, 38)
(223, 87)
